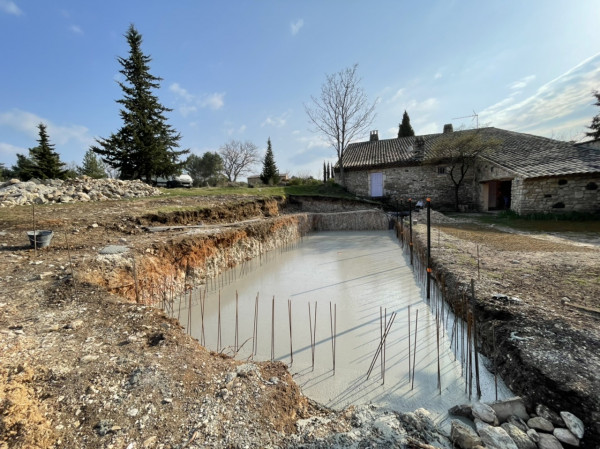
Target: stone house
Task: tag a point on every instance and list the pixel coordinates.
(526, 173)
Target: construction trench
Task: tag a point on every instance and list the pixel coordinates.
(201, 267)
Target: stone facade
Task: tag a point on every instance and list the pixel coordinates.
(557, 194)
(417, 182)
(573, 193)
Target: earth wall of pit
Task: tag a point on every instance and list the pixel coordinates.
(165, 270)
(537, 383)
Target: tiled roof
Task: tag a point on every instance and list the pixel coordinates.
(525, 154)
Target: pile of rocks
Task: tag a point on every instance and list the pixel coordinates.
(17, 193)
(507, 425)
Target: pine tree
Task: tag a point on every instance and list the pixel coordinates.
(405, 129)
(145, 146)
(595, 126)
(92, 166)
(270, 174)
(45, 162)
(23, 169)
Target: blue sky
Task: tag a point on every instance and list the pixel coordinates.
(244, 69)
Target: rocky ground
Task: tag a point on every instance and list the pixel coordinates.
(82, 368)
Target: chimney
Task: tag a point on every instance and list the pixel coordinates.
(419, 147)
(448, 128)
(374, 136)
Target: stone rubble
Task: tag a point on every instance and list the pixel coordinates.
(17, 193)
(549, 431)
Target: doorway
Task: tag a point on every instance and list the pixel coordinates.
(499, 195)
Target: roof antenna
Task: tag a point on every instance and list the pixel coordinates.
(475, 117)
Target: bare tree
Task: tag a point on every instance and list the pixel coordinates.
(459, 151)
(238, 158)
(341, 112)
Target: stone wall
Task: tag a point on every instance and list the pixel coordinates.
(557, 194)
(416, 182)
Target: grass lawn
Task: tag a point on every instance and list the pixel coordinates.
(325, 190)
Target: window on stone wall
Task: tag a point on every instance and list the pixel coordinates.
(441, 170)
(591, 186)
(562, 182)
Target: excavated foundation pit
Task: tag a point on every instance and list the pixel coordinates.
(345, 284)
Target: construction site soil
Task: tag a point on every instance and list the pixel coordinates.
(83, 367)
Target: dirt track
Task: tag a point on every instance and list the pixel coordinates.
(85, 368)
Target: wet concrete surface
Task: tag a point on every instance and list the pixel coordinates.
(358, 275)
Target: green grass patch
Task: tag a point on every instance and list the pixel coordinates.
(324, 190)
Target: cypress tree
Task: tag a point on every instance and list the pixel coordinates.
(270, 174)
(405, 129)
(45, 162)
(324, 172)
(145, 146)
(595, 126)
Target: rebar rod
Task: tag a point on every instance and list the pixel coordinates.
(236, 339)
(381, 342)
(273, 329)
(409, 343)
(290, 321)
(219, 325)
(415, 350)
(478, 386)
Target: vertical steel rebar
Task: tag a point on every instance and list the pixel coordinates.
(273, 329)
(478, 386)
(415, 350)
(237, 335)
(409, 342)
(255, 329)
(202, 303)
(219, 325)
(428, 248)
(290, 321)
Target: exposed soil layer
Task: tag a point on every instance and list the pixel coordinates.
(544, 335)
(83, 368)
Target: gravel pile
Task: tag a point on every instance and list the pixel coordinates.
(17, 193)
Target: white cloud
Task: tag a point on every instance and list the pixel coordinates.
(399, 93)
(191, 102)
(181, 92)
(214, 101)
(10, 7)
(314, 142)
(295, 132)
(6, 149)
(296, 26)
(523, 82)
(27, 123)
(276, 121)
(437, 76)
(559, 100)
(232, 130)
(186, 110)
(76, 29)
